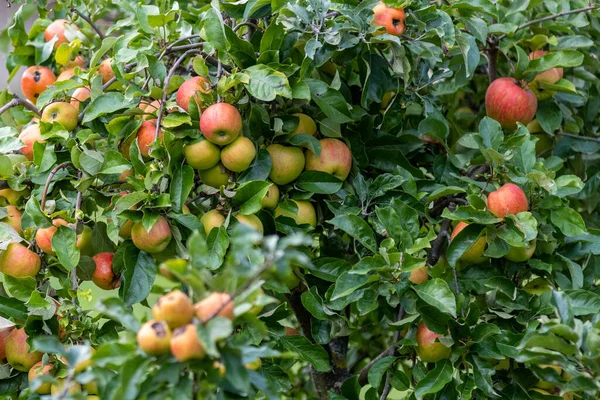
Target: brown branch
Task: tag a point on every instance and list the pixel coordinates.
(441, 204)
(437, 246)
(180, 40)
(588, 138)
(74, 280)
(294, 299)
(89, 21)
(492, 57)
(49, 179)
(388, 384)
(17, 101)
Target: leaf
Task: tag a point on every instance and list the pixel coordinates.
(181, 186)
(435, 380)
(549, 115)
(115, 310)
(378, 369)
(358, 228)
(214, 33)
(250, 195)
(491, 133)
(463, 242)
(137, 281)
(40, 219)
(347, 284)
(107, 103)
(436, 293)
(556, 59)
(64, 243)
(470, 51)
(583, 302)
(114, 163)
(319, 182)
(217, 243)
(305, 140)
(314, 305)
(312, 353)
(13, 308)
(267, 83)
(330, 101)
(568, 221)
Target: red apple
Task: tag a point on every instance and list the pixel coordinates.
(35, 80)
(428, 348)
(189, 89)
(104, 276)
(221, 123)
(80, 95)
(29, 136)
(18, 351)
(392, 19)
(552, 75)
(335, 158)
(13, 218)
(58, 28)
(43, 236)
(19, 262)
(146, 136)
(509, 101)
(509, 199)
(106, 70)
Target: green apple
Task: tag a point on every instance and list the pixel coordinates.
(239, 154)
(202, 154)
(306, 213)
(216, 176)
(287, 163)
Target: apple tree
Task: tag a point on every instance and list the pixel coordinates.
(300, 199)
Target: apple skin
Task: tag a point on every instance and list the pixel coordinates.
(125, 229)
(335, 158)
(66, 75)
(418, 276)
(17, 351)
(287, 163)
(221, 123)
(306, 213)
(154, 241)
(271, 198)
(386, 99)
(185, 345)
(206, 307)
(13, 196)
(106, 71)
(57, 388)
(508, 101)
(104, 276)
(552, 75)
(202, 154)
(62, 112)
(252, 221)
(537, 286)
(216, 176)
(428, 349)
(4, 332)
(43, 236)
(509, 199)
(13, 218)
(35, 80)
(521, 254)
(212, 219)
(175, 308)
(305, 125)
(57, 28)
(84, 241)
(146, 135)
(38, 370)
(154, 338)
(151, 107)
(238, 155)
(475, 254)
(29, 136)
(188, 89)
(392, 19)
(19, 262)
(78, 61)
(79, 96)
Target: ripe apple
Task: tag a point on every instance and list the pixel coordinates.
(43, 236)
(428, 349)
(58, 28)
(78, 61)
(18, 351)
(202, 154)
(13, 218)
(38, 370)
(221, 123)
(212, 219)
(104, 276)
(392, 19)
(215, 301)
(29, 136)
(154, 338)
(62, 112)
(19, 262)
(305, 125)
(13, 196)
(509, 199)
(252, 221)
(521, 254)
(306, 213)
(146, 135)
(238, 155)
(153, 241)
(475, 254)
(149, 107)
(4, 332)
(509, 101)
(216, 176)
(185, 345)
(418, 276)
(335, 158)
(287, 163)
(66, 75)
(189, 89)
(271, 198)
(35, 80)
(552, 75)
(106, 70)
(175, 308)
(79, 96)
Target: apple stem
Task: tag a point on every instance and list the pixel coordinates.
(89, 21)
(17, 101)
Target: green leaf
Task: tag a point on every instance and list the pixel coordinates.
(107, 103)
(549, 115)
(583, 302)
(348, 282)
(314, 305)
(330, 101)
(435, 380)
(64, 243)
(358, 228)
(40, 219)
(107, 44)
(137, 281)
(250, 195)
(319, 182)
(217, 243)
(556, 59)
(491, 133)
(267, 83)
(463, 242)
(181, 186)
(436, 293)
(378, 370)
(213, 31)
(13, 308)
(114, 309)
(114, 163)
(305, 140)
(312, 353)
(568, 221)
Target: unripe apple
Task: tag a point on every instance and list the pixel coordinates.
(306, 213)
(79, 96)
(335, 158)
(43, 236)
(221, 123)
(215, 301)
(58, 28)
(212, 219)
(216, 176)
(238, 155)
(552, 75)
(38, 370)
(13, 196)
(252, 221)
(90, 388)
(537, 286)
(4, 333)
(104, 276)
(428, 349)
(58, 388)
(125, 229)
(84, 241)
(386, 99)
(154, 338)
(18, 351)
(475, 254)
(62, 112)
(175, 308)
(271, 198)
(19, 262)
(521, 254)
(106, 71)
(202, 154)
(254, 365)
(82, 365)
(305, 125)
(509, 101)
(189, 89)
(509, 199)
(35, 80)
(392, 19)
(287, 163)
(29, 136)
(13, 218)
(146, 136)
(185, 345)
(153, 241)
(418, 276)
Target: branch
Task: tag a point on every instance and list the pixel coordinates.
(388, 384)
(247, 23)
(180, 40)
(589, 138)
(49, 179)
(492, 57)
(444, 202)
(17, 101)
(89, 21)
(294, 299)
(74, 281)
(438, 244)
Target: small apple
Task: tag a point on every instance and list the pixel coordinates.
(252, 221)
(216, 176)
(13, 218)
(78, 61)
(475, 254)
(212, 303)
(154, 338)
(287, 163)
(428, 349)
(177, 265)
(43, 236)
(552, 75)
(509, 101)
(185, 345)
(66, 75)
(104, 276)
(29, 136)
(13, 196)
(238, 155)
(392, 19)
(18, 352)
(335, 158)
(125, 229)
(106, 71)
(509, 199)
(4, 332)
(175, 308)
(418, 276)
(189, 89)
(306, 213)
(62, 112)
(305, 125)
(212, 219)
(58, 388)
(84, 241)
(271, 198)
(58, 28)
(153, 241)
(202, 154)
(521, 254)
(19, 262)
(79, 96)
(38, 369)
(221, 123)
(537, 286)
(151, 107)
(146, 136)
(35, 80)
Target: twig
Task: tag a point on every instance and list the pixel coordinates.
(438, 243)
(444, 202)
(388, 384)
(180, 40)
(49, 179)
(17, 101)
(363, 375)
(492, 57)
(247, 23)
(589, 138)
(75, 282)
(89, 21)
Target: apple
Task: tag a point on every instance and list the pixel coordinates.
(252, 221)
(202, 154)
(151, 107)
(254, 365)
(509, 101)
(185, 345)
(153, 241)
(212, 303)
(552, 75)
(62, 112)
(212, 219)
(306, 213)
(418, 276)
(58, 28)
(19, 262)
(305, 125)
(125, 229)
(58, 388)
(392, 19)
(78, 61)
(335, 158)
(13, 196)
(66, 75)
(84, 241)
(146, 136)
(291, 331)
(545, 142)
(4, 332)
(38, 369)
(386, 99)
(13, 218)
(79, 96)
(221, 123)
(35, 80)
(287, 163)
(238, 155)
(537, 286)
(106, 70)
(271, 198)
(43, 236)
(475, 254)
(521, 254)
(189, 89)
(175, 308)
(90, 388)
(154, 338)
(509, 199)
(29, 136)
(18, 352)
(216, 176)
(82, 365)
(104, 276)
(428, 349)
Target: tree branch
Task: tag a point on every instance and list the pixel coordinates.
(49, 179)
(492, 57)
(18, 101)
(588, 138)
(89, 21)
(437, 246)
